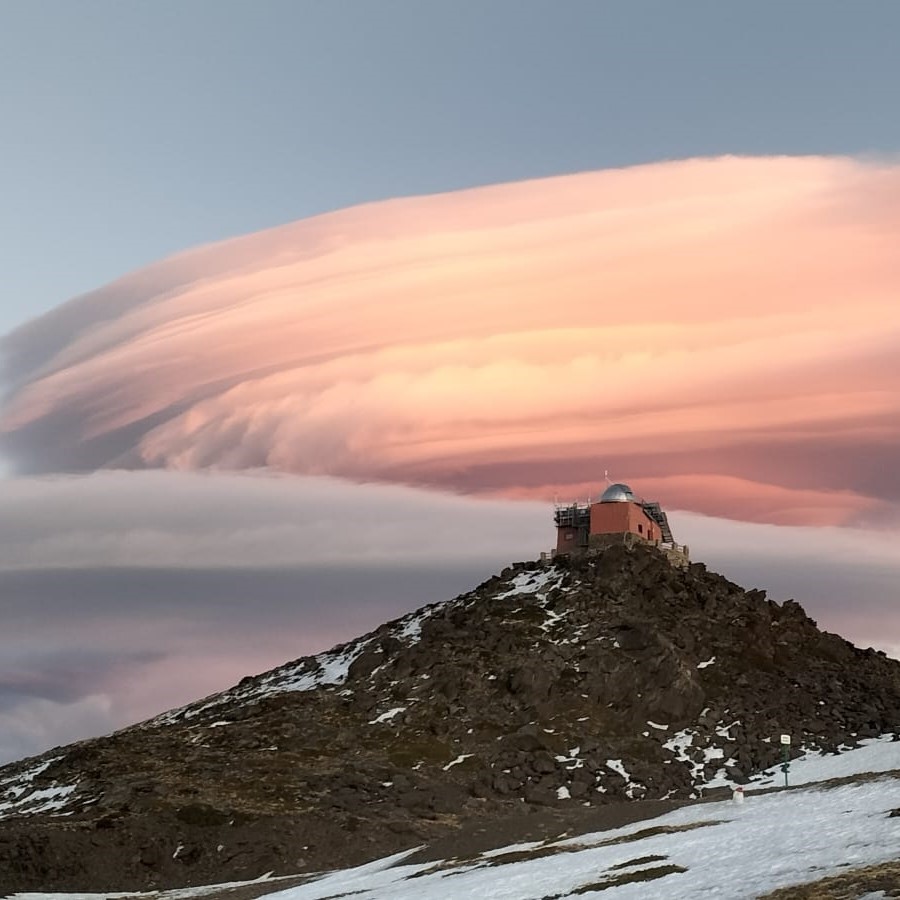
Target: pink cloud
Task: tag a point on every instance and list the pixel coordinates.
(722, 331)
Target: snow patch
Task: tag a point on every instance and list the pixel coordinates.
(455, 762)
(412, 625)
(617, 766)
(532, 583)
(697, 758)
(19, 797)
(387, 716)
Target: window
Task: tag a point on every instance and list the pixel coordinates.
(640, 528)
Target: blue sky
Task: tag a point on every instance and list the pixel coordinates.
(133, 130)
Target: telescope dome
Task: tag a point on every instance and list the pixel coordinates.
(618, 493)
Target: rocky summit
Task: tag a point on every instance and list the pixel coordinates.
(553, 686)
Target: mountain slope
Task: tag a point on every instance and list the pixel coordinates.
(548, 687)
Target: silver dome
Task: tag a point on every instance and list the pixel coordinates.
(618, 493)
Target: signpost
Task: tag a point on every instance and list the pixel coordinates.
(786, 744)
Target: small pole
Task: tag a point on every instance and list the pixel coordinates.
(786, 744)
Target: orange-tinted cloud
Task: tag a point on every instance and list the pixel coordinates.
(723, 332)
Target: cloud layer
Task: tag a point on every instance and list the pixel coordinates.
(179, 520)
(722, 331)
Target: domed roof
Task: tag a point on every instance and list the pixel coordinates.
(618, 493)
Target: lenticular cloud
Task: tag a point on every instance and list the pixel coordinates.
(723, 332)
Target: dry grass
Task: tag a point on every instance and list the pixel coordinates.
(643, 875)
(640, 861)
(846, 886)
(549, 849)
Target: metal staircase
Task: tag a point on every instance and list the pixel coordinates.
(655, 512)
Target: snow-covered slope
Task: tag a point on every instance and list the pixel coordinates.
(704, 850)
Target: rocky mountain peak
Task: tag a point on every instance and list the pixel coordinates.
(570, 684)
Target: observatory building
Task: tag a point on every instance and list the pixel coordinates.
(618, 516)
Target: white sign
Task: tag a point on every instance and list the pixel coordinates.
(785, 739)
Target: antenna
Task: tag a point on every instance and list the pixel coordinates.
(606, 476)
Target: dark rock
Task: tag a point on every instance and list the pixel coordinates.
(366, 663)
(202, 815)
(542, 763)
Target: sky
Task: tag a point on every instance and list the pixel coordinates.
(430, 266)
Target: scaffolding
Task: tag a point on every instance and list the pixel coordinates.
(576, 516)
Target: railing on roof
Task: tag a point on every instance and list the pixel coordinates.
(576, 515)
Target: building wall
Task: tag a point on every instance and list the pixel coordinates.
(567, 540)
(617, 518)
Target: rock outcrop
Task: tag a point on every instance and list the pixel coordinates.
(612, 677)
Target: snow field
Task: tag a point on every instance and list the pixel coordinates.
(880, 754)
(729, 852)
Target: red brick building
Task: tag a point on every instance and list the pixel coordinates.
(618, 512)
